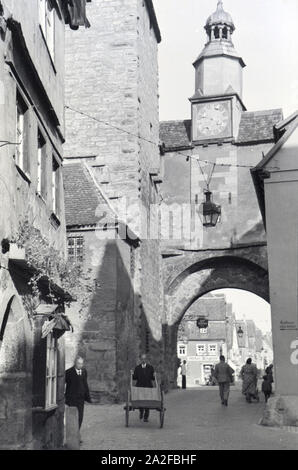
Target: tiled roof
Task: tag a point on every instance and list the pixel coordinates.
(175, 134)
(258, 125)
(84, 204)
(255, 126)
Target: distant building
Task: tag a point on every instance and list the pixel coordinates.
(201, 348)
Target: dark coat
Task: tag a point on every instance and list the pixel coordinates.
(77, 390)
(266, 386)
(144, 376)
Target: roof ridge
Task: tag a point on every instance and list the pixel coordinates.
(263, 111)
(97, 186)
(175, 120)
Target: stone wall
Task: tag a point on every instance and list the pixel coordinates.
(105, 331)
(232, 188)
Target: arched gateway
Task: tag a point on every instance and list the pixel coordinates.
(190, 275)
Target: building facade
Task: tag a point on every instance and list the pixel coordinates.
(32, 221)
(201, 347)
(112, 125)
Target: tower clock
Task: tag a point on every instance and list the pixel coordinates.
(211, 120)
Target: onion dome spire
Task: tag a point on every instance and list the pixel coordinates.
(219, 25)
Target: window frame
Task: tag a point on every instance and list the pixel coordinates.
(182, 346)
(22, 158)
(56, 186)
(75, 257)
(198, 345)
(47, 26)
(51, 376)
(203, 331)
(41, 165)
(215, 350)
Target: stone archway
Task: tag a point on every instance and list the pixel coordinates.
(206, 275)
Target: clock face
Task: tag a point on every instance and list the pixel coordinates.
(211, 120)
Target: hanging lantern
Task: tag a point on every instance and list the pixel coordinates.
(211, 211)
(240, 332)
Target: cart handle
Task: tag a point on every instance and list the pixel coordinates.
(155, 378)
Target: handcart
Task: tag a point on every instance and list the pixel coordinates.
(141, 397)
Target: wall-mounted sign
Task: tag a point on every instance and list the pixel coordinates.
(209, 359)
(287, 325)
(202, 322)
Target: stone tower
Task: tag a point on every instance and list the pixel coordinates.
(112, 125)
(224, 137)
(217, 102)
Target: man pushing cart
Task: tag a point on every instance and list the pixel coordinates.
(145, 394)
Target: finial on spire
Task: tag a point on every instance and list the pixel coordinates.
(220, 25)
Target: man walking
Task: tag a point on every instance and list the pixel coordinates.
(224, 376)
(77, 390)
(144, 376)
(183, 374)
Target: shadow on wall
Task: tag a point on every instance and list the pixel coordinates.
(114, 331)
(15, 379)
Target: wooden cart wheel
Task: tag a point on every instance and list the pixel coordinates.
(127, 411)
(162, 417)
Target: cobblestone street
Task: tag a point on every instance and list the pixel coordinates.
(195, 420)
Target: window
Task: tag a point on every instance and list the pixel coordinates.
(76, 249)
(212, 348)
(51, 373)
(21, 154)
(201, 349)
(56, 187)
(47, 24)
(41, 166)
(182, 350)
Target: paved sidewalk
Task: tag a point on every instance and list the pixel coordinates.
(195, 420)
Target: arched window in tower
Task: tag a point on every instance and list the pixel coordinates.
(225, 33)
(216, 33)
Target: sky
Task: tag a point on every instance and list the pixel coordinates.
(266, 37)
(249, 306)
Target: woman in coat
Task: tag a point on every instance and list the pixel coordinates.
(249, 375)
